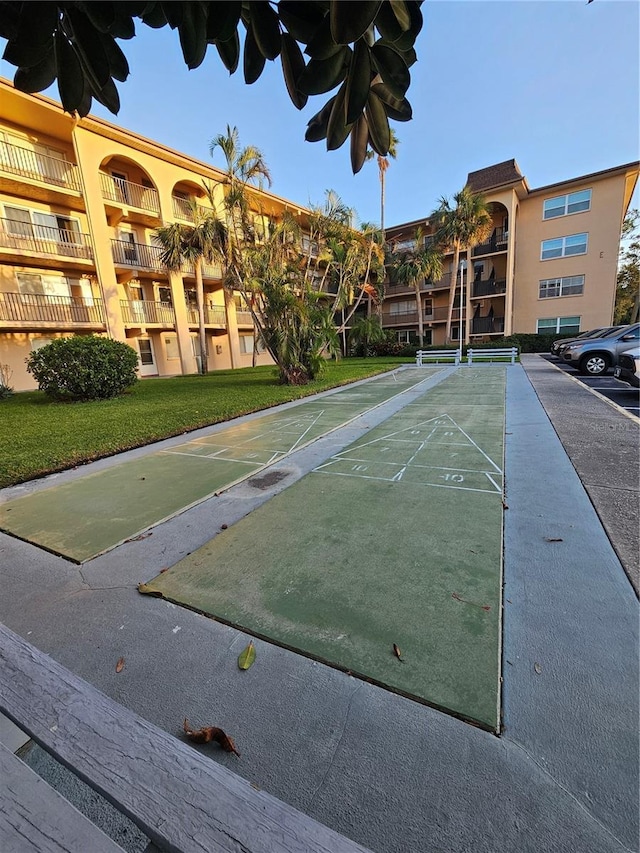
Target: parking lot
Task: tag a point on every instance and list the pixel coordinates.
(623, 395)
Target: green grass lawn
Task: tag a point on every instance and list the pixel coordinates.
(38, 436)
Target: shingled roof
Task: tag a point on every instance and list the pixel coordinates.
(494, 176)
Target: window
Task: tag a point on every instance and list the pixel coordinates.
(246, 344)
(558, 325)
(146, 352)
(428, 307)
(43, 226)
(171, 347)
(569, 285)
(563, 247)
(403, 307)
(563, 205)
(47, 285)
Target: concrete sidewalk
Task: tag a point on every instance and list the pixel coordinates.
(393, 775)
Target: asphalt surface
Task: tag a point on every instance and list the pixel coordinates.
(393, 774)
(620, 393)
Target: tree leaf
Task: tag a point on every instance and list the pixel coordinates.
(145, 589)
(247, 657)
(118, 65)
(108, 96)
(120, 665)
(39, 76)
(398, 109)
(266, 28)
(253, 61)
(101, 15)
(229, 52)
(397, 653)
(222, 20)
(358, 81)
(70, 76)
(301, 17)
(89, 48)
(392, 68)
(292, 66)
(379, 131)
(322, 75)
(387, 24)
(399, 8)
(192, 32)
(359, 139)
(337, 127)
(350, 20)
(209, 733)
(154, 16)
(318, 124)
(322, 45)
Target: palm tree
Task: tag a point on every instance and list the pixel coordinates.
(460, 226)
(412, 266)
(195, 244)
(383, 165)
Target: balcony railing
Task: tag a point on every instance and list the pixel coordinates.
(137, 255)
(244, 318)
(496, 243)
(128, 193)
(42, 308)
(208, 270)
(182, 208)
(139, 311)
(212, 316)
(39, 167)
(44, 239)
(489, 288)
(487, 325)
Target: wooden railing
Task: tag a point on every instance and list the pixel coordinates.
(128, 193)
(137, 311)
(39, 167)
(138, 255)
(44, 239)
(42, 308)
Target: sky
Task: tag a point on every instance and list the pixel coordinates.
(554, 84)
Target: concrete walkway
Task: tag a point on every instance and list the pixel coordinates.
(390, 773)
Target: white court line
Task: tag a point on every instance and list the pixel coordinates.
(387, 480)
(493, 481)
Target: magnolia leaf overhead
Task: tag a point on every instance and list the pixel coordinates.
(351, 44)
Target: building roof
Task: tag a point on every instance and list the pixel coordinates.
(494, 176)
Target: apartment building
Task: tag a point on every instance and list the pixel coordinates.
(79, 203)
(549, 265)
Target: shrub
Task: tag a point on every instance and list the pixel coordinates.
(84, 368)
(6, 390)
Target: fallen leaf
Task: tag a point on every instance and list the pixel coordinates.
(145, 589)
(247, 657)
(209, 733)
(547, 539)
(120, 665)
(397, 653)
(138, 538)
(162, 571)
(504, 505)
(537, 668)
(486, 607)
(223, 526)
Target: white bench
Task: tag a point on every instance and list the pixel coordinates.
(437, 355)
(179, 797)
(491, 354)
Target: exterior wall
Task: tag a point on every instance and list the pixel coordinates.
(602, 223)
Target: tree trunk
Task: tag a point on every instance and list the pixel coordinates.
(201, 331)
(452, 290)
(382, 203)
(419, 309)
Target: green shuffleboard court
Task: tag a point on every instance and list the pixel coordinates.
(93, 513)
(395, 540)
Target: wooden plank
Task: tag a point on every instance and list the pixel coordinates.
(182, 800)
(34, 817)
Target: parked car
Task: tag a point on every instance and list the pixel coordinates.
(596, 356)
(628, 367)
(601, 332)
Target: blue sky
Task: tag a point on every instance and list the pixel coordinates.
(553, 83)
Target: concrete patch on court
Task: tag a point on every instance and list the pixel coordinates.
(396, 539)
(93, 513)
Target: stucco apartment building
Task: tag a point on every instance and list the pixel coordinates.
(549, 265)
(79, 203)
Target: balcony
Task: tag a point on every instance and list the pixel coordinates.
(44, 240)
(182, 208)
(496, 243)
(491, 287)
(244, 318)
(139, 312)
(39, 167)
(208, 270)
(59, 311)
(213, 316)
(129, 194)
(487, 325)
(137, 255)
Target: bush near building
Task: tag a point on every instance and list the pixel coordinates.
(84, 368)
